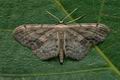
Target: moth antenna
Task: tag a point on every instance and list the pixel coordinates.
(76, 19)
(69, 14)
(54, 16)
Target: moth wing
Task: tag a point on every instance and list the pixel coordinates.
(80, 37)
(49, 49)
(76, 46)
(93, 32)
(40, 38)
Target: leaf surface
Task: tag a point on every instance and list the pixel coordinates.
(18, 62)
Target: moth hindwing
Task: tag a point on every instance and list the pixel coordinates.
(51, 40)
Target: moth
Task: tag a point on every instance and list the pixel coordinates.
(63, 40)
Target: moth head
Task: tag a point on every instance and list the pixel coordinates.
(62, 20)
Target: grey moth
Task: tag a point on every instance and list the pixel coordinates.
(51, 40)
(64, 40)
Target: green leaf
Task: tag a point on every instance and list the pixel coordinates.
(18, 62)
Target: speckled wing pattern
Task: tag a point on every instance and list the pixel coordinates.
(81, 37)
(51, 40)
(76, 46)
(41, 39)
